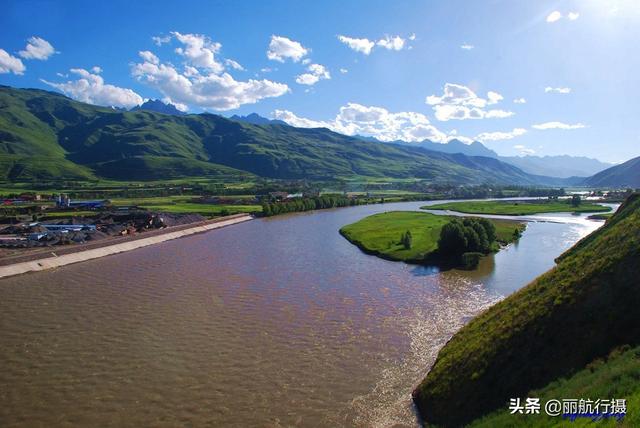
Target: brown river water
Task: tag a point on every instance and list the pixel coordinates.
(274, 322)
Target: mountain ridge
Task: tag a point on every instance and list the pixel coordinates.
(561, 166)
(626, 174)
(45, 135)
(159, 107)
(256, 119)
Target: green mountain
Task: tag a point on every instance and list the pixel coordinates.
(624, 175)
(45, 135)
(568, 317)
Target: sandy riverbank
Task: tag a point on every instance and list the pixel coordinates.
(51, 260)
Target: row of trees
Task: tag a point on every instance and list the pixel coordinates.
(307, 204)
(467, 235)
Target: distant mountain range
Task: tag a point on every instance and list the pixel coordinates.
(158, 106)
(256, 119)
(563, 166)
(624, 175)
(47, 136)
(476, 148)
(551, 166)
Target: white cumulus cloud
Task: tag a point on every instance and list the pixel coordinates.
(161, 40)
(199, 51)
(315, 73)
(199, 84)
(493, 98)
(378, 122)
(344, 71)
(91, 88)
(10, 64)
(37, 48)
(524, 150)
(554, 16)
(149, 57)
(282, 48)
(461, 103)
(500, 135)
(549, 89)
(359, 45)
(394, 43)
(466, 46)
(234, 64)
(558, 125)
(520, 101)
(365, 46)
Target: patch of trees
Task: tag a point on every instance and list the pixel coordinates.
(467, 235)
(466, 240)
(307, 204)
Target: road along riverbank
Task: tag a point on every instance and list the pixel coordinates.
(51, 260)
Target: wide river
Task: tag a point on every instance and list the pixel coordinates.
(274, 322)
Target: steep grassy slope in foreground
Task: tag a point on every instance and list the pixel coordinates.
(617, 376)
(46, 135)
(578, 311)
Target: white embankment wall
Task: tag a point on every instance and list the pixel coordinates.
(80, 256)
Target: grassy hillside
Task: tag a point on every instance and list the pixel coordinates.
(624, 175)
(44, 134)
(577, 312)
(517, 207)
(616, 376)
(379, 234)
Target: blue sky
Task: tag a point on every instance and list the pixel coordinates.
(543, 77)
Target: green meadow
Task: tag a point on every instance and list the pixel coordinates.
(517, 207)
(380, 234)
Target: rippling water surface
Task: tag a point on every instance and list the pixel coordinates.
(274, 322)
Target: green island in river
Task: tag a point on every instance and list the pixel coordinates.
(520, 207)
(380, 234)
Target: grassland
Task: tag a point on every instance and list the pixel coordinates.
(517, 207)
(615, 376)
(604, 216)
(379, 234)
(551, 329)
(204, 209)
(183, 205)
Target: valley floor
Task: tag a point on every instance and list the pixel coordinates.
(521, 207)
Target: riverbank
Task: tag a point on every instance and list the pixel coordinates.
(517, 207)
(568, 318)
(65, 256)
(380, 234)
